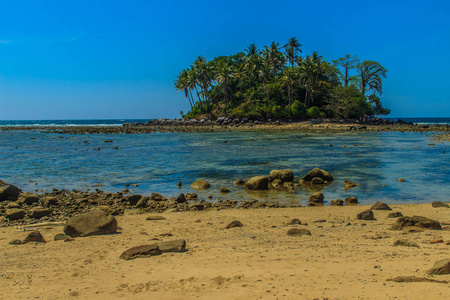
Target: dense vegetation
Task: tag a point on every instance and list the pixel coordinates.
(278, 82)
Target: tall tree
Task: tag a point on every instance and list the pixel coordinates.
(224, 77)
(348, 62)
(182, 84)
(292, 49)
(371, 74)
(274, 57)
(288, 79)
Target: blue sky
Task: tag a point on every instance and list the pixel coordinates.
(118, 59)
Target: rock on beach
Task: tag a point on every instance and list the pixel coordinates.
(95, 222)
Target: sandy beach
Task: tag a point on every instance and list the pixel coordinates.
(343, 258)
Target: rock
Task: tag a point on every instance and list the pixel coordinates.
(283, 175)
(181, 198)
(316, 198)
(179, 184)
(401, 180)
(441, 267)
(200, 185)
(141, 251)
(9, 192)
(191, 196)
(416, 221)
(2, 219)
(15, 242)
(224, 190)
(351, 201)
(132, 199)
(414, 279)
(338, 202)
(317, 180)
(406, 243)
(143, 202)
(34, 236)
(15, 214)
(39, 212)
(438, 241)
(316, 172)
(439, 204)
(380, 206)
(61, 237)
(197, 206)
(49, 201)
(28, 198)
(257, 183)
(157, 197)
(12, 205)
(172, 246)
(294, 222)
(396, 214)
(298, 232)
(95, 222)
(155, 218)
(239, 182)
(234, 224)
(365, 215)
(349, 184)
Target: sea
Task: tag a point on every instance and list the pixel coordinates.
(37, 161)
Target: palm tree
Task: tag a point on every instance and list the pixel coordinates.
(253, 60)
(265, 73)
(274, 57)
(224, 76)
(292, 48)
(288, 78)
(307, 75)
(181, 84)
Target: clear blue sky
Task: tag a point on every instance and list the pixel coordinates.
(118, 59)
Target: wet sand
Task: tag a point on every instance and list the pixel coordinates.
(344, 258)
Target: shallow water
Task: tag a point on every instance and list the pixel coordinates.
(158, 161)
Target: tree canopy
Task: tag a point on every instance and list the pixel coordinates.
(277, 82)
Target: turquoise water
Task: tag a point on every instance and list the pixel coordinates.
(158, 161)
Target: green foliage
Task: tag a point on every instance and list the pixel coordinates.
(277, 82)
(315, 112)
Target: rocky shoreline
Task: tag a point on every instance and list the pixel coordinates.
(221, 124)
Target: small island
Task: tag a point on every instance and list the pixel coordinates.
(278, 82)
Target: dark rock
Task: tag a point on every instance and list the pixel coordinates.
(239, 182)
(61, 237)
(15, 214)
(416, 221)
(34, 236)
(414, 279)
(298, 232)
(141, 251)
(365, 215)
(316, 172)
(441, 267)
(294, 222)
(380, 206)
(133, 199)
(234, 224)
(224, 190)
(316, 198)
(179, 184)
(143, 202)
(28, 198)
(191, 196)
(283, 175)
(351, 201)
(349, 184)
(39, 212)
(197, 206)
(9, 192)
(317, 180)
(95, 222)
(396, 214)
(406, 243)
(181, 198)
(338, 202)
(155, 218)
(439, 204)
(15, 242)
(172, 246)
(257, 183)
(157, 197)
(200, 185)
(49, 201)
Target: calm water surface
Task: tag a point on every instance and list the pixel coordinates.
(43, 161)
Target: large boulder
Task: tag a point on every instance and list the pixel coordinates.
(416, 221)
(95, 222)
(316, 172)
(380, 206)
(15, 214)
(39, 212)
(133, 199)
(316, 198)
(439, 204)
(200, 185)
(9, 192)
(257, 183)
(366, 215)
(283, 175)
(29, 198)
(440, 267)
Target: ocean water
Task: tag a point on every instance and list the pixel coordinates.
(157, 162)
